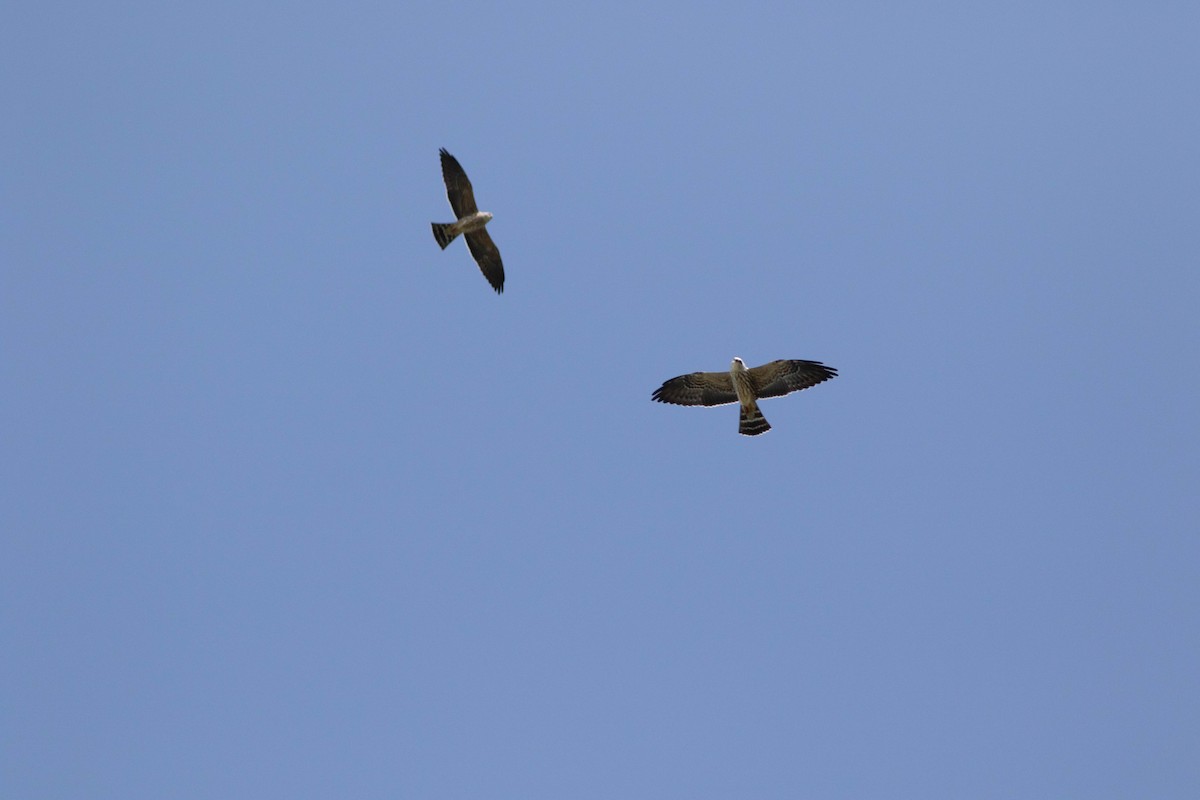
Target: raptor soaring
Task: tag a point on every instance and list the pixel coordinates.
(470, 222)
(745, 386)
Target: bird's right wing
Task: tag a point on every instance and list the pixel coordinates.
(697, 389)
(458, 187)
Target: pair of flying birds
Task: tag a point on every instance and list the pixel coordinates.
(741, 384)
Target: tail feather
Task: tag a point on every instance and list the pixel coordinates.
(441, 232)
(752, 422)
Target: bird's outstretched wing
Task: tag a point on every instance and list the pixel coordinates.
(458, 187)
(785, 376)
(487, 256)
(697, 389)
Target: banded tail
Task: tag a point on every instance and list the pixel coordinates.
(443, 234)
(752, 422)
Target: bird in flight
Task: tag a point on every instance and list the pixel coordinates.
(470, 222)
(745, 386)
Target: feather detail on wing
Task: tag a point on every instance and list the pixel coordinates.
(697, 389)
(783, 377)
(487, 256)
(458, 187)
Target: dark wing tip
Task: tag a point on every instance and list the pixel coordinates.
(494, 272)
(813, 369)
(812, 373)
(822, 372)
(668, 392)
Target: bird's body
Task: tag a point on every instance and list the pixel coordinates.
(447, 232)
(751, 421)
(745, 386)
(469, 222)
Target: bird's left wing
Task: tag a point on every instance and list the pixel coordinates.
(487, 256)
(782, 377)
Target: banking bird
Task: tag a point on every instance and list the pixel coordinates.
(470, 223)
(745, 386)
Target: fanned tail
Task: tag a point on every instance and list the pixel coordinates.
(752, 422)
(441, 232)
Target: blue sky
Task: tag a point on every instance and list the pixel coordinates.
(296, 506)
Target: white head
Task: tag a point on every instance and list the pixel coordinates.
(486, 216)
(738, 365)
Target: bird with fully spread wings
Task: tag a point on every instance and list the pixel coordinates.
(470, 222)
(745, 386)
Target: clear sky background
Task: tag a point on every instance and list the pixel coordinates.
(295, 506)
